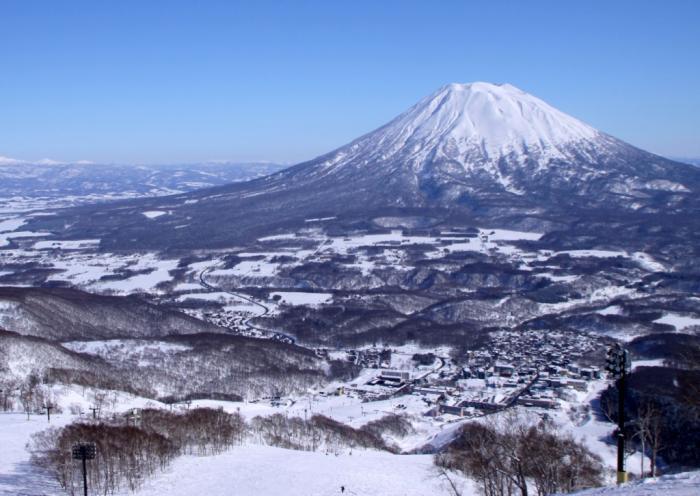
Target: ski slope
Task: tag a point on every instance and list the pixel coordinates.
(264, 470)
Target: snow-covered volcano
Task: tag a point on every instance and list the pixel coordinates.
(467, 140)
(473, 123)
(467, 151)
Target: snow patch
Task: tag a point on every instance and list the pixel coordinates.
(680, 322)
(11, 224)
(154, 214)
(302, 298)
(76, 244)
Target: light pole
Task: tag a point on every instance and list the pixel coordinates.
(84, 452)
(618, 365)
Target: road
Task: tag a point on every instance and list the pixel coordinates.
(431, 371)
(280, 336)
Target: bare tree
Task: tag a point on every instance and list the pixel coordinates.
(641, 431)
(513, 454)
(27, 393)
(654, 436)
(98, 400)
(443, 473)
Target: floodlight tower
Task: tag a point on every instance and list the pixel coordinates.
(84, 452)
(618, 365)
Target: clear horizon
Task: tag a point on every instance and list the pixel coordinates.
(171, 82)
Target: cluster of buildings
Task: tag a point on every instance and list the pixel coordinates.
(372, 358)
(531, 368)
(526, 368)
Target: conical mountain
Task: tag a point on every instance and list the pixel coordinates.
(468, 153)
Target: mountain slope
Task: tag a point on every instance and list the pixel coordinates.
(468, 153)
(63, 314)
(22, 355)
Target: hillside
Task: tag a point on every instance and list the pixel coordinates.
(68, 314)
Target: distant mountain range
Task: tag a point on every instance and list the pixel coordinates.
(86, 180)
(687, 160)
(468, 154)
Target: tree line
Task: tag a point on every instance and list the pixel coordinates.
(134, 446)
(131, 447)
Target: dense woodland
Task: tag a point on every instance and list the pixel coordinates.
(192, 366)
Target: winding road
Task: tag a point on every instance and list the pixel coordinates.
(280, 336)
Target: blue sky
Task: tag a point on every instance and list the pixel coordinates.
(176, 81)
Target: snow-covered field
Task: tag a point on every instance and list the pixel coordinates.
(77, 262)
(17, 475)
(244, 470)
(134, 348)
(250, 469)
(680, 322)
(264, 470)
(78, 244)
(302, 298)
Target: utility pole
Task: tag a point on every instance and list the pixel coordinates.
(618, 365)
(94, 412)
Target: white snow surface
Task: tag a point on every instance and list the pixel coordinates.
(257, 470)
(143, 282)
(683, 484)
(76, 244)
(7, 236)
(132, 346)
(678, 321)
(17, 475)
(302, 298)
(475, 120)
(12, 224)
(610, 310)
(154, 214)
